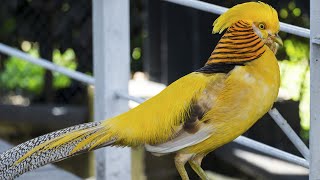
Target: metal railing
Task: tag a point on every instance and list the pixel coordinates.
(99, 10)
(46, 64)
(111, 56)
(314, 90)
(215, 9)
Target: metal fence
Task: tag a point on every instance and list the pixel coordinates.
(111, 41)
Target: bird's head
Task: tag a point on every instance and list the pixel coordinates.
(262, 17)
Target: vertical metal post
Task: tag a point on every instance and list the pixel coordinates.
(111, 71)
(314, 89)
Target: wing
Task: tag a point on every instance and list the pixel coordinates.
(181, 141)
(172, 115)
(194, 127)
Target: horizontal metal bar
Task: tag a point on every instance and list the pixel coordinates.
(200, 5)
(46, 64)
(296, 30)
(286, 128)
(128, 97)
(271, 151)
(316, 40)
(215, 9)
(246, 141)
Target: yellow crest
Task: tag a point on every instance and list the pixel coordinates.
(249, 12)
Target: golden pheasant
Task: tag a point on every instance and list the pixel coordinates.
(191, 117)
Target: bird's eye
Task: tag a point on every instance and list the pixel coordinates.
(262, 26)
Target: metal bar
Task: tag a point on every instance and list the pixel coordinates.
(247, 142)
(286, 128)
(46, 64)
(296, 30)
(215, 9)
(128, 97)
(200, 5)
(314, 90)
(316, 40)
(271, 151)
(111, 70)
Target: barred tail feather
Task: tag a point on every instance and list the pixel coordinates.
(53, 147)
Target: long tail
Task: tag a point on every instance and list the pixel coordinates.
(54, 147)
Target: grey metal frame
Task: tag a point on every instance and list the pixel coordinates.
(111, 44)
(111, 67)
(286, 128)
(314, 89)
(215, 9)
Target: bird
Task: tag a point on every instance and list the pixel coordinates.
(194, 115)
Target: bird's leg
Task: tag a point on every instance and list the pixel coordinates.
(195, 163)
(180, 160)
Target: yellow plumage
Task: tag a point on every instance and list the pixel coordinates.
(160, 116)
(194, 115)
(249, 93)
(252, 13)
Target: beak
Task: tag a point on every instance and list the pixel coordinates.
(276, 38)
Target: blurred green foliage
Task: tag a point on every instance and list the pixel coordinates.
(294, 64)
(66, 59)
(20, 75)
(295, 72)
(136, 53)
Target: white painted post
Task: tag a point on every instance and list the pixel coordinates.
(314, 89)
(111, 43)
